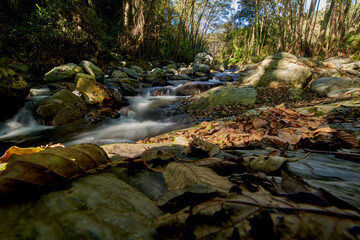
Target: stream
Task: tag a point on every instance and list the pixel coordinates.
(146, 116)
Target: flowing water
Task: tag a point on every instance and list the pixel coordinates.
(146, 116)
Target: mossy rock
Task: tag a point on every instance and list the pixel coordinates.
(61, 108)
(13, 91)
(91, 68)
(83, 75)
(221, 96)
(94, 92)
(63, 72)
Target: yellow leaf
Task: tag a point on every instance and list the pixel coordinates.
(19, 151)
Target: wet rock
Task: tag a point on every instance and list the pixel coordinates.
(119, 74)
(132, 82)
(159, 82)
(202, 68)
(180, 77)
(223, 65)
(191, 88)
(91, 68)
(187, 71)
(165, 91)
(13, 90)
(204, 58)
(94, 92)
(61, 108)
(222, 95)
(131, 73)
(200, 74)
(201, 79)
(137, 69)
(63, 72)
(116, 92)
(97, 206)
(226, 78)
(128, 90)
(83, 75)
(154, 74)
(333, 86)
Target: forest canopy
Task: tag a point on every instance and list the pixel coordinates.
(48, 33)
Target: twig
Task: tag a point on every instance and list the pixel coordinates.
(355, 90)
(356, 155)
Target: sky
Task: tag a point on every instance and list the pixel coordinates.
(322, 4)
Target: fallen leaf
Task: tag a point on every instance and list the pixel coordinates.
(348, 138)
(198, 146)
(266, 164)
(19, 151)
(50, 167)
(259, 123)
(257, 216)
(183, 175)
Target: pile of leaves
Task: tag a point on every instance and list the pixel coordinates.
(279, 128)
(208, 196)
(236, 198)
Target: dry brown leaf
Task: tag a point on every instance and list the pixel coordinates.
(289, 136)
(259, 123)
(348, 138)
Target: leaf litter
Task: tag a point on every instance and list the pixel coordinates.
(215, 196)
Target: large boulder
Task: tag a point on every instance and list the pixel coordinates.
(61, 108)
(154, 74)
(94, 93)
(202, 68)
(63, 72)
(204, 58)
(13, 91)
(334, 86)
(91, 68)
(222, 95)
(283, 69)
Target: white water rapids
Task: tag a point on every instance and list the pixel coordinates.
(130, 127)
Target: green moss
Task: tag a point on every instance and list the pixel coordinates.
(311, 109)
(319, 114)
